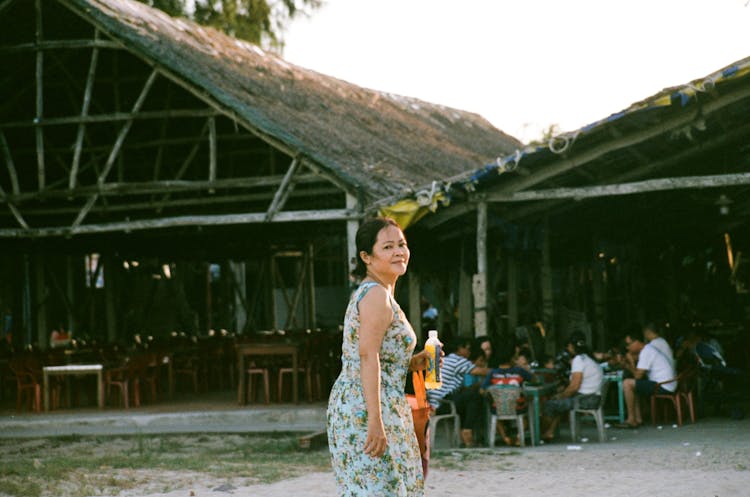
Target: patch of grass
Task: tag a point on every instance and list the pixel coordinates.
(88, 466)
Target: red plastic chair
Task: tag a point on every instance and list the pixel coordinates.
(684, 393)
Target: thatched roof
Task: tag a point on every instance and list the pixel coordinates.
(380, 144)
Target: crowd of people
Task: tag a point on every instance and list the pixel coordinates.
(372, 439)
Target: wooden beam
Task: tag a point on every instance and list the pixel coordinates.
(48, 210)
(173, 222)
(39, 97)
(636, 187)
(211, 151)
(73, 177)
(282, 193)
(14, 211)
(112, 117)
(666, 126)
(9, 163)
(5, 4)
(59, 44)
(113, 189)
(116, 148)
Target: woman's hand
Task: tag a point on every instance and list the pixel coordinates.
(376, 442)
(419, 360)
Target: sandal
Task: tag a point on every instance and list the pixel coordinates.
(626, 426)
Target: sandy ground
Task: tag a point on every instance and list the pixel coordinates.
(711, 459)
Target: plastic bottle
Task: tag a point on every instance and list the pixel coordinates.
(433, 376)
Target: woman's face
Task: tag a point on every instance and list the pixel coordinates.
(390, 254)
(487, 348)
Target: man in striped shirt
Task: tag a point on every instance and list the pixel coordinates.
(468, 400)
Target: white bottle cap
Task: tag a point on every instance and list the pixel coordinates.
(432, 334)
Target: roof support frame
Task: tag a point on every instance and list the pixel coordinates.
(84, 112)
(39, 74)
(282, 193)
(116, 147)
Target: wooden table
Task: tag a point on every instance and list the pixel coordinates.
(245, 350)
(74, 370)
(536, 391)
(616, 377)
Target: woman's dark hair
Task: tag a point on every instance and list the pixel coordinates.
(367, 235)
(578, 340)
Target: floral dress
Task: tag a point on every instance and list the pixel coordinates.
(399, 471)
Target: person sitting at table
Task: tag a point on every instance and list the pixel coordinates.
(468, 401)
(507, 374)
(584, 386)
(649, 367)
(59, 337)
(481, 352)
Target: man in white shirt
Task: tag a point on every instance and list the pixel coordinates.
(652, 335)
(653, 367)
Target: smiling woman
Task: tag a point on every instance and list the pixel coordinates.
(371, 434)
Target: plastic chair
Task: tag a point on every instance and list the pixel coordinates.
(597, 414)
(505, 399)
(684, 392)
(454, 436)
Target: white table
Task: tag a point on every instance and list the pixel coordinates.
(74, 370)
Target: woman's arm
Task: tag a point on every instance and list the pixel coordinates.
(575, 383)
(375, 315)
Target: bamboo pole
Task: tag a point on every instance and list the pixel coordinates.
(9, 163)
(84, 112)
(39, 97)
(116, 148)
(211, 151)
(282, 193)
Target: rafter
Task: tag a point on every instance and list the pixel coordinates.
(115, 116)
(282, 193)
(39, 97)
(4, 4)
(9, 163)
(60, 44)
(116, 148)
(84, 112)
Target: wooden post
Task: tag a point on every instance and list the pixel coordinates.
(598, 290)
(512, 265)
(69, 272)
(39, 98)
(465, 315)
(311, 322)
(40, 302)
(109, 296)
(240, 294)
(479, 281)
(415, 308)
(211, 151)
(351, 236)
(73, 177)
(548, 307)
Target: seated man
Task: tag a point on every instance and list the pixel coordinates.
(468, 400)
(653, 367)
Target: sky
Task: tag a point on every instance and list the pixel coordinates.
(524, 65)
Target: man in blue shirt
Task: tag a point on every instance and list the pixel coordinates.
(468, 401)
